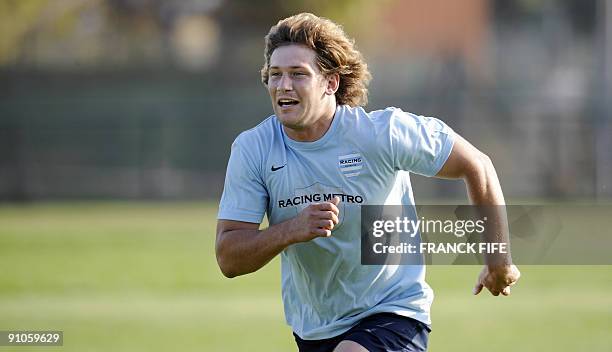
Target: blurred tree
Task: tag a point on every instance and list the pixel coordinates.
(17, 18)
(243, 25)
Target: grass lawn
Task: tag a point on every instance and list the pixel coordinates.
(143, 277)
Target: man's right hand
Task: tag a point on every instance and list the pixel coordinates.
(316, 220)
(242, 248)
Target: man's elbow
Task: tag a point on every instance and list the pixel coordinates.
(228, 273)
(486, 164)
(483, 183)
(478, 167)
(226, 268)
(224, 262)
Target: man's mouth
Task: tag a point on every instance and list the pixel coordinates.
(285, 102)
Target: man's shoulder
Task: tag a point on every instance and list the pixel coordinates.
(393, 118)
(253, 146)
(387, 113)
(262, 133)
(375, 121)
(380, 115)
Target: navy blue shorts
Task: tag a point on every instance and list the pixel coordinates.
(378, 332)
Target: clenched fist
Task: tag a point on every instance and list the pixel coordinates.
(316, 220)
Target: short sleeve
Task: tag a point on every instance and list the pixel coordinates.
(420, 144)
(245, 197)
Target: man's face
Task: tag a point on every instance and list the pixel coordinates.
(297, 88)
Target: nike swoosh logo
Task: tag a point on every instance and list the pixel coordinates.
(278, 168)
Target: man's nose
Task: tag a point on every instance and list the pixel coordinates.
(285, 83)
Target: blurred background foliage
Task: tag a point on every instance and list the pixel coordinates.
(141, 99)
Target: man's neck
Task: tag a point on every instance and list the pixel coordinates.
(316, 130)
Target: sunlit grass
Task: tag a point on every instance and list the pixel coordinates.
(143, 277)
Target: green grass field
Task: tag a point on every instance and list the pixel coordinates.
(143, 277)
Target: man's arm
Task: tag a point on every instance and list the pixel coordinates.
(242, 248)
(477, 171)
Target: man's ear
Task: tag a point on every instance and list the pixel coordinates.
(333, 82)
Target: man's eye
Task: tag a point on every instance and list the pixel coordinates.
(299, 74)
(274, 74)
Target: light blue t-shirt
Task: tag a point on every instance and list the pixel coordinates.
(364, 158)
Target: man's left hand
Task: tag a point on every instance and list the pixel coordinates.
(497, 279)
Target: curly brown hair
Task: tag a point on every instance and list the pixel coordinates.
(336, 53)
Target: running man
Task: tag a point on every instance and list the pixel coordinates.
(293, 167)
